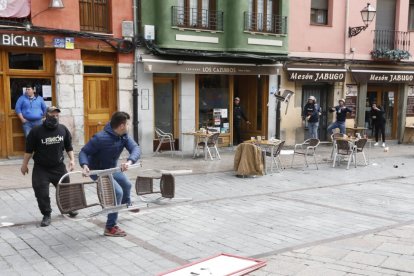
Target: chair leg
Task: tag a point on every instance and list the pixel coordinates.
(351, 157)
(217, 152)
(172, 148)
(293, 157)
(334, 160)
(209, 153)
(159, 146)
(306, 158)
(316, 161)
(365, 159)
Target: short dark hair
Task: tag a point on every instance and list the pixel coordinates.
(119, 118)
(29, 85)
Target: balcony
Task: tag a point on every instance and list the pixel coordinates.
(391, 45)
(264, 23)
(197, 18)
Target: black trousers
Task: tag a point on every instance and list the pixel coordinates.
(41, 179)
(237, 132)
(378, 128)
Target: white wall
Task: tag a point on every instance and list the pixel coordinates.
(145, 116)
(187, 111)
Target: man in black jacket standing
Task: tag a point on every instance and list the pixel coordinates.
(341, 111)
(46, 144)
(238, 115)
(377, 115)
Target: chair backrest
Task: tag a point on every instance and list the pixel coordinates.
(159, 133)
(360, 143)
(285, 97)
(278, 149)
(338, 135)
(313, 142)
(344, 147)
(167, 185)
(212, 140)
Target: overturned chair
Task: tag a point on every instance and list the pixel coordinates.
(144, 186)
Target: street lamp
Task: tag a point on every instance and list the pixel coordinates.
(56, 4)
(367, 14)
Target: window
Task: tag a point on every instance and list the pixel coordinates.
(26, 61)
(213, 98)
(411, 15)
(94, 15)
(200, 14)
(319, 12)
(263, 16)
(93, 69)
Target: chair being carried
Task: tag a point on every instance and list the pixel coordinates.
(165, 138)
(284, 98)
(311, 145)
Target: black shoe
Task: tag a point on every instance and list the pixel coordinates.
(45, 221)
(73, 214)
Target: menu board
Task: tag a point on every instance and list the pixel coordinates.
(410, 102)
(351, 102)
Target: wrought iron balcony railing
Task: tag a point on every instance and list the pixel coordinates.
(197, 18)
(259, 22)
(393, 45)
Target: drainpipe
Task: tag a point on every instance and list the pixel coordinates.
(278, 118)
(135, 74)
(346, 42)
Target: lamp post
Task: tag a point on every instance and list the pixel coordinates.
(367, 14)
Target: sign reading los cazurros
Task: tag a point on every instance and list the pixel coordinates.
(21, 40)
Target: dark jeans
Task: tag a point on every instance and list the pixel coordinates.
(378, 128)
(237, 134)
(41, 179)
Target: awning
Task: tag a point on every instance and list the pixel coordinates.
(154, 65)
(382, 76)
(316, 74)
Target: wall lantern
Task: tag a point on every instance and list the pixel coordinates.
(367, 14)
(56, 4)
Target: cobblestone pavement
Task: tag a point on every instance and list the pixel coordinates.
(302, 221)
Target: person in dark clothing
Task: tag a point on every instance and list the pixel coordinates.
(238, 115)
(46, 144)
(311, 113)
(341, 111)
(377, 115)
(102, 152)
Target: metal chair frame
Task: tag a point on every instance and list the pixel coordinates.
(344, 148)
(276, 156)
(211, 143)
(165, 138)
(311, 145)
(359, 146)
(284, 98)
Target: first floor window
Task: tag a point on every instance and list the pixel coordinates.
(319, 12)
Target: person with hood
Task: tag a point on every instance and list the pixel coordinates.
(46, 143)
(377, 115)
(341, 111)
(311, 113)
(102, 152)
(30, 109)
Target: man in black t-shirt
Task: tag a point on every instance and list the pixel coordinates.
(46, 144)
(341, 111)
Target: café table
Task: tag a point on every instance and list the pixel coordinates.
(199, 136)
(355, 130)
(267, 144)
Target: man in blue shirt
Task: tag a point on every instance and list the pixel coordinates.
(102, 152)
(30, 109)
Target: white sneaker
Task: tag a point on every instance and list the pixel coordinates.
(383, 145)
(376, 144)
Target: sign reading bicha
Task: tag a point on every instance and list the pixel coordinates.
(21, 40)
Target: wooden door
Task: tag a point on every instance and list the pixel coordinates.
(99, 102)
(3, 151)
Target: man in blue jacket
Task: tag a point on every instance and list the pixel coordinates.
(30, 109)
(102, 152)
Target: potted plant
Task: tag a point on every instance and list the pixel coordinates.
(388, 54)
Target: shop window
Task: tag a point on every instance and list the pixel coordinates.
(213, 102)
(411, 16)
(319, 12)
(26, 61)
(93, 69)
(94, 15)
(42, 87)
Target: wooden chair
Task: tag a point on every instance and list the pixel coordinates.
(311, 145)
(343, 148)
(164, 138)
(212, 142)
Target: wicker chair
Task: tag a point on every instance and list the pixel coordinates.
(343, 148)
(275, 159)
(311, 145)
(212, 142)
(359, 146)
